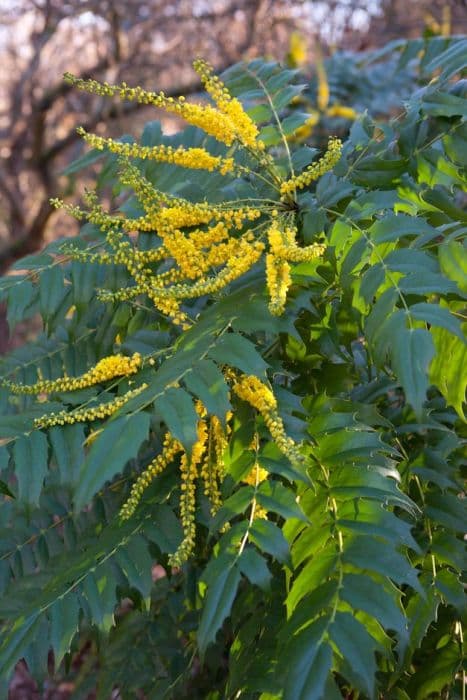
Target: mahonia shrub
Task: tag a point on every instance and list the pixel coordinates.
(230, 463)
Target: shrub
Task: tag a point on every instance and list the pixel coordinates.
(231, 460)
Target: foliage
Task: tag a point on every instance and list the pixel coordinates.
(306, 528)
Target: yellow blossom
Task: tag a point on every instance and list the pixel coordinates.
(189, 473)
(211, 120)
(252, 390)
(315, 170)
(107, 368)
(283, 245)
(212, 469)
(197, 158)
(298, 53)
(170, 449)
(341, 111)
(244, 127)
(256, 475)
(278, 281)
(86, 415)
(323, 85)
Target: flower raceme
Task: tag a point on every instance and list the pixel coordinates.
(106, 369)
(252, 390)
(227, 123)
(283, 250)
(205, 463)
(315, 170)
(200, 247)
(245, 129)
(87, 415)
(196, 158)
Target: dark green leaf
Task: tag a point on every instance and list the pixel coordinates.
(207, 382)
(269, 538)
(119, 441)
(358, 648)
(411, 354)
(5, 490)
(381, 601)
(437, 316)
(275, 497)
(217, 605)
(64, 620)
(254, 567)
(68, 448)
(30, 458)
(20, 299)
(308, 661)
(176, 408)
(235, 350)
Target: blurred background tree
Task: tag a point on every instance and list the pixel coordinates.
(149, 42)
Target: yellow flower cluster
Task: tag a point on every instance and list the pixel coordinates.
(254, 478)
(107, 368)
(227, 122)
(205, 462)
(188, 214)
(244, 127)
(252, 390)
(205, 117)
(278, 281)
(199, 262)
(212, 469)
(96, 215)
(256, 475)
(283, 244)
(170, 448)
(189, 474)
(283, 250)
(247, 255)
(323, 86)
(342, 111)
(315, 170)
(165, 213)
(197, 158)
(87, 415)
(297, 54)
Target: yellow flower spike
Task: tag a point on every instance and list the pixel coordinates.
(253, 478)
(323, 85)
(244, 127)
(96, 215)
(189, 474)
(298, 54)
(86, 415)
(246, 256)
(283, 245)
(342, 111)
(213, 467)
(256, 475)
(315, 170)
(187, 214)
(170, 449)
(197, 158)
(278, 281)
(252, 390)
(211, 120)
(107, 368)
